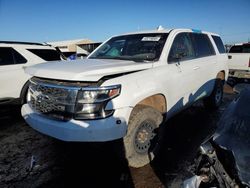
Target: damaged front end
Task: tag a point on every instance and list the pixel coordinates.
(224, 160)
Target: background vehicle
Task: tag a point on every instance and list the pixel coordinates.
(14, 58)
(239, 60)
(224, 159)
(126, 87)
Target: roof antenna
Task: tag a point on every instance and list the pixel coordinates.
(159, 28)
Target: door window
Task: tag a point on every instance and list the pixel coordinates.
(219, 44)
(182, 48)
(203, 45)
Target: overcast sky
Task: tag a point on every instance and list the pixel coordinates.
(53, 20)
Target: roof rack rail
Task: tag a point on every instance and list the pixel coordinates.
(18, 42)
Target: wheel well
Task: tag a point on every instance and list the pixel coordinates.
(157, 102)
(221, 75)
(24, 92)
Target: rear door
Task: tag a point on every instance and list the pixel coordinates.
(12, 76)
(206, 64)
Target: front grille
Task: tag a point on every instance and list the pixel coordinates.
(53, 100)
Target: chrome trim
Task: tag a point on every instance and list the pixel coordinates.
(87, 88)
(55, 86)
(52, 102)
(93, 88)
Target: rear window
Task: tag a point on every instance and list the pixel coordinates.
(219, 44)
(236, 49)
(202, 44)
(46, 54)
(246, 48)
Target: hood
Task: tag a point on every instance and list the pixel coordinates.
(233, 133)
(84, 70)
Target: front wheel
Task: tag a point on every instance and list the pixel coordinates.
(215, 99)
(138, 142)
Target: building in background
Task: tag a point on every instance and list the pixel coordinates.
(78, 48)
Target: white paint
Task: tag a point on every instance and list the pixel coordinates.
(13, 77)
(181, 84)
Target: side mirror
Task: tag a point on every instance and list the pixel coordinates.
(177, 56)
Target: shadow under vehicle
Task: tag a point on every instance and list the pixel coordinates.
(224, 159)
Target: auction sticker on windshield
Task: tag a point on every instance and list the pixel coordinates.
(150, 38)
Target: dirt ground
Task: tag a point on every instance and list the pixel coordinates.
(30, 159)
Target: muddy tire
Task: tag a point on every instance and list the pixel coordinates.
(215, 99)
(140, 139)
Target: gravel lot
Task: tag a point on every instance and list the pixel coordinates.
(29, 159)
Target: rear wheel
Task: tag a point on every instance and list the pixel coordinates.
(215, 99)
(140, 139)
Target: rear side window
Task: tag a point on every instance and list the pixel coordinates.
(236, 49)
(18, 58)
(203, 46)
(46, 54)
(219, 44)
(6, 57)
(9, 56)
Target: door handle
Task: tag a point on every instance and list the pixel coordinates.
(195, 68)
(178, 66)
(229, 57)
(24, 67)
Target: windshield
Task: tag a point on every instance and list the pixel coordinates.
(137, 47)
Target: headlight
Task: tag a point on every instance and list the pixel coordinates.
(91, 102)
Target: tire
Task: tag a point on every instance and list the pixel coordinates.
(141, 135)
(215, 99)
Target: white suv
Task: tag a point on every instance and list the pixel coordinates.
(14, 58)
(125, 88)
